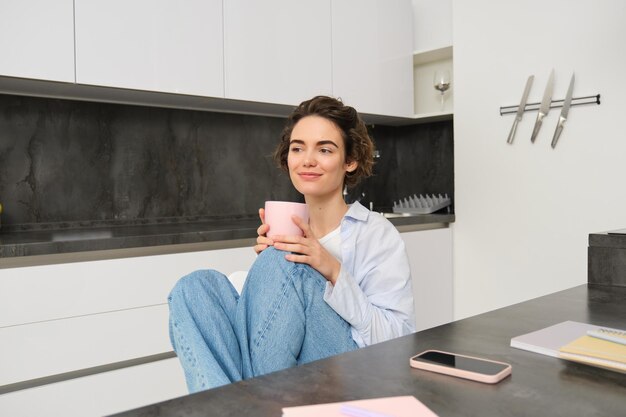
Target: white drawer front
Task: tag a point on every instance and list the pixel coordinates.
(101, 394)
(52, 347)
(38, 293)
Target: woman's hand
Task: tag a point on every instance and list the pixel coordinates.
(262, 241)
(308, 250)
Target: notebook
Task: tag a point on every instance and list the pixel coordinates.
(610, 335)
(569, 340)
(598, 348)
(594, 351)
(548, 341)
(588, 360)
(405, 406)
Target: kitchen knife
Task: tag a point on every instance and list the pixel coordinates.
(564, 113)
(545, 106)
(520, 109)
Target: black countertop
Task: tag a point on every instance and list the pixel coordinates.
(84, 239)
(539, 385)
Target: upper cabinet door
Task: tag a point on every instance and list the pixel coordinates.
(37, 39)
(156, 45)
(372, 55)
(432, 24)
(277, 51)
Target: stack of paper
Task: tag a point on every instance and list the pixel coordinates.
(571, 340)
(595, 351)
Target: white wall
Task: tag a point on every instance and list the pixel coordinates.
(524, 212)
(432, 24)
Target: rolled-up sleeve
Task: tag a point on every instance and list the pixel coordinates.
(377, 298)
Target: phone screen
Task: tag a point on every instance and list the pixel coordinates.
(460, 362)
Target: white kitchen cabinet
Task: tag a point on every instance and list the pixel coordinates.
(51, 292)
(277, 51)
(372, 55)
(54, 347)
(430, 256)
(154, 45)
(37, 39)
(70, 317)
(432, 24)
(101, 394)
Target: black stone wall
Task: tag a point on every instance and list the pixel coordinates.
(72, 161)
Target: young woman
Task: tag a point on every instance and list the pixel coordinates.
(345, 284)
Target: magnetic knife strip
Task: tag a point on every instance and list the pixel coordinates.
(576, 101)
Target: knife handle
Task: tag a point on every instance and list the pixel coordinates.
(540, 117)
(512, 133)
(558, 130)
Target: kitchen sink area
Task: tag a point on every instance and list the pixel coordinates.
(392, 215)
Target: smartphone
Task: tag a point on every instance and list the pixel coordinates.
(476, 369)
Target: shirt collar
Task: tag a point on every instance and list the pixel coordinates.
(357, 212)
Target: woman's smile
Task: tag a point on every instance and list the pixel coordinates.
(309, 176)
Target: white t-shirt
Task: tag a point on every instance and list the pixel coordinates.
(332, 243)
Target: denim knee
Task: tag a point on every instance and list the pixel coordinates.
(185, 285)
(271, 254)
(272, 269)
(269, 266)
(206, 280)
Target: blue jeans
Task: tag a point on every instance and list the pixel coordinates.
(280, 320)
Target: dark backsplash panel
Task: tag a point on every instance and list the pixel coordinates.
(73, 162)
(416, 159)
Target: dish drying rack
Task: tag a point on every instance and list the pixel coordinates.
(421, 204)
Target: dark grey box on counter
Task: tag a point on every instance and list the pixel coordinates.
(606, 258)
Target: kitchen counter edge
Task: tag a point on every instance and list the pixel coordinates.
(103, 244)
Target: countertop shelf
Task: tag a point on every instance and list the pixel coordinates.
(431, 55)
(152, 238)
(427, 102)
(433, 116)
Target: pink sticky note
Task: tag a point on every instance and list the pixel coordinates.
(405, 406)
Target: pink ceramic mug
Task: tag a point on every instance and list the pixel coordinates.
(278, 217)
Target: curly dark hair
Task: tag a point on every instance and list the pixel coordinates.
(358, 144)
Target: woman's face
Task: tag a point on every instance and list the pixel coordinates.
(316, 158)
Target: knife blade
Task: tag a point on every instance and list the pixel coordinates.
(564, 112)
(520, 109)
(545, 106)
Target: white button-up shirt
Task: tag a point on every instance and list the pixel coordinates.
(373, 291)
